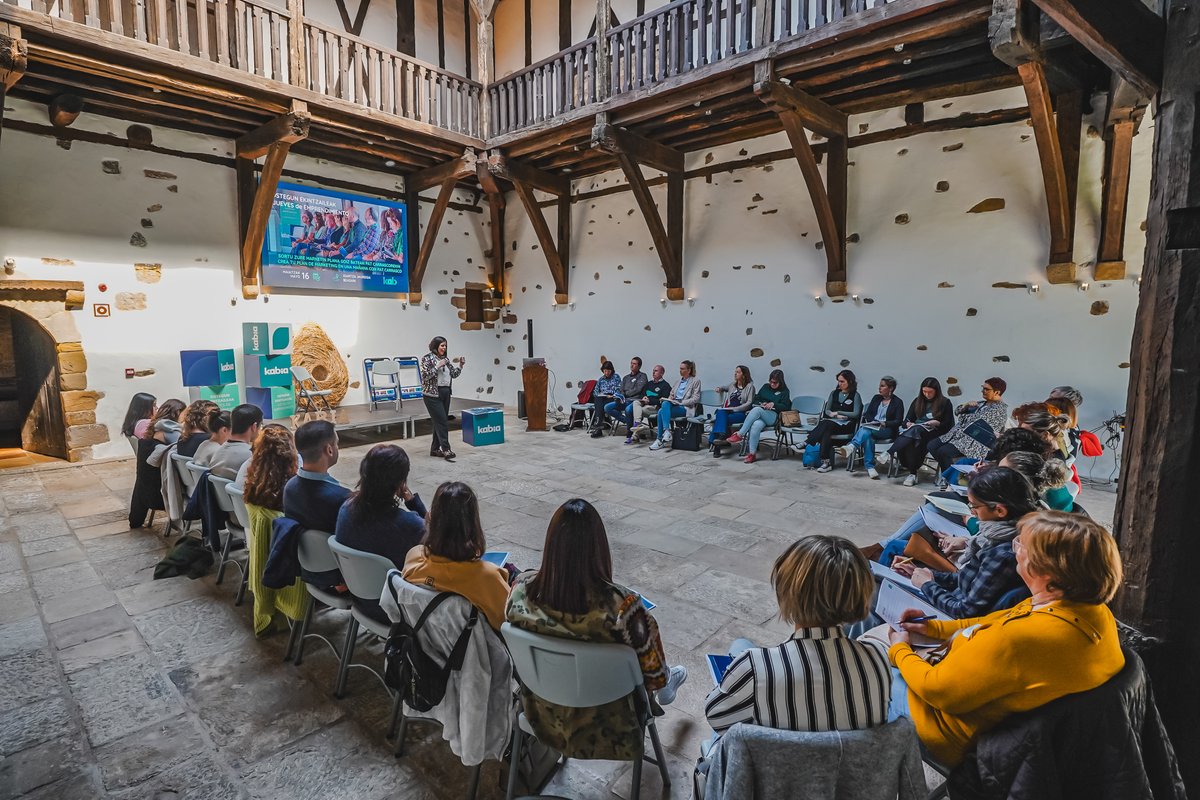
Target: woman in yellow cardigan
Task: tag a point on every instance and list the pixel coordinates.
(1060, 641)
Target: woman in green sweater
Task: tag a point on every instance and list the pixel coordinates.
(770, 400)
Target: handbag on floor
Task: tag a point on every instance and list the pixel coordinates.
(686, 435)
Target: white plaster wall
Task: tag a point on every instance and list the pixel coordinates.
(379, 27)
(69, 209)
(752, 266)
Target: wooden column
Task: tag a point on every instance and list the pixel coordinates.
(1155, 521)
(1058, 150)
(496, 205)
(632, 152)
(484, 67)
(297, 66)
(798, 111)
(603, 71)
(447, 176)
(525, 179)
(1114, 206)
(272, 140)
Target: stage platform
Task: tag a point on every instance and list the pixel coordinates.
(362, 418)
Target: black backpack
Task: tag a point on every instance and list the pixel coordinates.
(411, 671)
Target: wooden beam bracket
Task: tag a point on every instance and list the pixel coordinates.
(797, 111)
(632, 152)
(1125, 35)
(1057, 137)
(525, 180)
(14, 55)
(273, 140)
(457, 168)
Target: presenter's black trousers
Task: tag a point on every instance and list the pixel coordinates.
(439, 411)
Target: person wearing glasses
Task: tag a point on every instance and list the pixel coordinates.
(1061, 640)
(986, 568)
(979, 423)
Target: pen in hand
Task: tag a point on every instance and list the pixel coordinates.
(925, 618)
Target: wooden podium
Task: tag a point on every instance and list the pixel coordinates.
(533, 376)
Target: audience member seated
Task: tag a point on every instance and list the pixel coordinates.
(1050, 426)
(882, 421)
(244, 469)
(656, 390)
(979, 423)
(737, 400)
(138, 416)
(1012, 441)
(819, 679)
(633, 388)
(1049, 476)
(218, 426)
(273, 465)
(313, 496)
(770, 400)
(383, 516)
(985, 565)
(929, 414)
(682, 402)
(164, 426)
(839, 417)
(245, 422)
(1060, 641)
(573, 596)
(195, 431)
(608, 390)
(449, 557)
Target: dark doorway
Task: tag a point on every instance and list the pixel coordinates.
(31, 414)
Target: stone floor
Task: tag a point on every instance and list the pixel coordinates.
(116, 685)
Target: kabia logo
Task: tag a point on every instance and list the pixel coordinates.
(254, 337)
(227, 367)
(489, 429)
(275, 370)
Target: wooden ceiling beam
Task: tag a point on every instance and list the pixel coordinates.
(612, 139)
(458, 168)
(286, 129)
(502, 166)
(416, 272)
(818, 115)
(1124, 34)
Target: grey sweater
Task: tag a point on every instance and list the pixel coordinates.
(747, 397)
(754, 763)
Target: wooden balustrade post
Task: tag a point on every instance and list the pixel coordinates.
(603, 74)
(764, 32)
(297, 68)
(484, 71)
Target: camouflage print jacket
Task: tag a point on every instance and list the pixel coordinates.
(610, 731)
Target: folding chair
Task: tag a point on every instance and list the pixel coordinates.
(303, 377)
(578, 674)
(389, 370)
(242, 515)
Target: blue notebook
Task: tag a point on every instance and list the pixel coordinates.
(496, 557)
(717, 666)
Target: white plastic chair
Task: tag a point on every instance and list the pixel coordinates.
(390, 370)
(314, 555)
(242, 515)
(186, 477)
(578, 674)
(220, 488)
(365, 575)
(132, 443)
(303, 377)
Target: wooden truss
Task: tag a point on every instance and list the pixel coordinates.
(446, 176)
(798, 111)
(632, 152)
(255, 198)
(525, 180)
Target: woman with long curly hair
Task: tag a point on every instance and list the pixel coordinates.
(272, 464)
(195, 426)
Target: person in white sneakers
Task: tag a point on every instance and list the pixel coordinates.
(881, 422)
(682, 403)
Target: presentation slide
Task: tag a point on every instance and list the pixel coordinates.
(325, 240)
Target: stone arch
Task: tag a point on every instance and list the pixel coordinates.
(50, 304)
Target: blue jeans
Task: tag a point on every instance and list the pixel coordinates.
(894, 545)
(722, 419)
(756, 421)
(616, 409)
(865, 440)
(666, 412)
(898, 707)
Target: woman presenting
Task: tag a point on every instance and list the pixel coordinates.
(437, 372)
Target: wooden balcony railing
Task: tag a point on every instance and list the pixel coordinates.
(669, 41)
(254, 37)
(563, 82)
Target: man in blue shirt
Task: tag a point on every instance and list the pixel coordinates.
(313, 496)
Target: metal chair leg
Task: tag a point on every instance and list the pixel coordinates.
(347, 653)
(658, 754)
(473, 785)
(224, 555)
(308, 615)
(241, 595)
(518, 740)
(401, 727)
(635, 789)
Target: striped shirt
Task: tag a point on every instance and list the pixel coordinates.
(819, 680)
